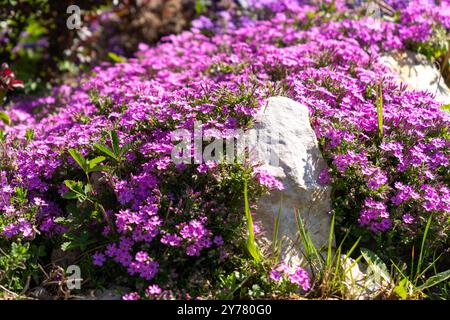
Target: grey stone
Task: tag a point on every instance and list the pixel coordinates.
(418, 73)
(299, 165)
(104, 294)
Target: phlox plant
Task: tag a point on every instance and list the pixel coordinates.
(89, 167)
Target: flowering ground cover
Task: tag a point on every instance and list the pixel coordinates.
(88, 169)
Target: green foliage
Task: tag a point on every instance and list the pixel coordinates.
(19, 265)
(434, 48)
(29, 135)
(88, 166)
(229, 284)
(37, 39)
(328, 266)
(276, 243)
(116, 58)
(200, 7)
(418, 283)
(446, 107)
(5, 118)
(116, 152)
(90, 208)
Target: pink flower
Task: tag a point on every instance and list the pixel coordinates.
(267, 179)
(153, 290)
(131, 296)
(301, 278)
(408, 219)
(142, 256)
(275, 275)
(171, 240)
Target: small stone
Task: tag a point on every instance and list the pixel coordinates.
(40, 293)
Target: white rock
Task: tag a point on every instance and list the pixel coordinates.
(299, 165)
(418, 73)
(361, 282)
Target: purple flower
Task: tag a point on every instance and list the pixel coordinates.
(98, 259)
(203, 23)
(324, 177)
(171, 240)
(218, 240)
(267, 179)
(407, 218)
(275, 275)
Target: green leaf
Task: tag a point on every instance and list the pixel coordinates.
(401, 290)
(70, 195)
(5, 118)
(446, 107)
(330, 242)
(100, 168)
(66, 245)
(434, 280)
(77, 191)
(95, 161)
(105, 150)
(29, 134)
(78, 157)
(126, 148)
(60, 220)
(377, 265)
(88, 188)
(76, 186)
(116, 58)
(200, 7)
(275, 232)
(115, 142)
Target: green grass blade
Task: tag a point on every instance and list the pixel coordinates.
(275, 231)
(380, 110)
(330, 241)
(251, 245)
(422, 247)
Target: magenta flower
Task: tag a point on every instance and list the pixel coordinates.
(407, 218)
(275, 275)
(153, 290)
(131, 296)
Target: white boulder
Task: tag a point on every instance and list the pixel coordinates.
(297, 165)
(418, 73)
